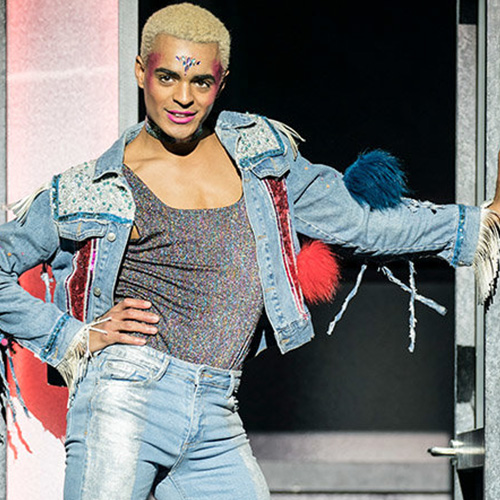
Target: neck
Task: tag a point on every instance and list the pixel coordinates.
(172, 145)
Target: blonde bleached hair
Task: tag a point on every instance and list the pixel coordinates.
(188, 22)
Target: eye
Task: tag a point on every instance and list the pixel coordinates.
(165, 78)
(204, 83)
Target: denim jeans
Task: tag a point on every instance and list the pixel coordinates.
(141, 421)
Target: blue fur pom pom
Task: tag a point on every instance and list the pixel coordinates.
(376, 179)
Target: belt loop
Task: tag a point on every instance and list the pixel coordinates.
(164, 366)
(233, 384)
(198, 375)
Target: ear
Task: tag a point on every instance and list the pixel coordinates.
(223, 82)
(140, 71)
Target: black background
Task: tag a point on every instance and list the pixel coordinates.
(356, 76)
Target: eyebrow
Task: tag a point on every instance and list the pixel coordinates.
(174, 74)
(167, 72)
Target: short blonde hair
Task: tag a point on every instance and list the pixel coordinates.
(188, 22)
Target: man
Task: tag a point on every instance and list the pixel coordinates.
(167, 250)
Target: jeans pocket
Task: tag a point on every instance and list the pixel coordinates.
(115, 368)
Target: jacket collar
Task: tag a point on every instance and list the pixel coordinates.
(250, 139)
(234, 119)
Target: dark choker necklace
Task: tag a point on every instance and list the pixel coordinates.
(155, 131)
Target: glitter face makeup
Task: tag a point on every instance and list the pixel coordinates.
(187, 62)
(153, 61)
(218, 72)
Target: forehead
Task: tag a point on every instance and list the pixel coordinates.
(168, 49)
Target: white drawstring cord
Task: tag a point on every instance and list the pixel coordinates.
(92, 326)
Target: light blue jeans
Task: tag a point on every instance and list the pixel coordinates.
(141, 421)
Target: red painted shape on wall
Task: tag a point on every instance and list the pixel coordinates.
(45, 402)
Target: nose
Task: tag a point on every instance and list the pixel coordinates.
(183, 96)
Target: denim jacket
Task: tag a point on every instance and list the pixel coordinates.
(81, 224)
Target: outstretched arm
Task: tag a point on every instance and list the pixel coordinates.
(328, 208)
(325, 209)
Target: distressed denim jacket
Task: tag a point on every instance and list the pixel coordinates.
(81, 223)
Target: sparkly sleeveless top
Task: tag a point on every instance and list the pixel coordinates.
(199, 270)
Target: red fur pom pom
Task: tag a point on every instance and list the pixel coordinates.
(318, 272)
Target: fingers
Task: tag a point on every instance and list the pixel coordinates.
(138, 315)
(123, 338)
(128, 316)
(98, 341)
(134, 303)
(135, 327)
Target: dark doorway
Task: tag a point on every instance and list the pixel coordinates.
(356, 76)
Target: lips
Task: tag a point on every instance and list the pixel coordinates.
(180, 117)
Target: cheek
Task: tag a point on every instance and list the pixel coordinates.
(151, 94)
(153, 100)
(212, 95)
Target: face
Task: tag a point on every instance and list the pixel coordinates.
(181, 81)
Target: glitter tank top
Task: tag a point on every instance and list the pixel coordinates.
(199, 270)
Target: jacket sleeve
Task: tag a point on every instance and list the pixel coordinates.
(325, 209)
(41, 327)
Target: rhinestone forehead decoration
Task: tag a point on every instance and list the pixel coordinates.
(187, 62)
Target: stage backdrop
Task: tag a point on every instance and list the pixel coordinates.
(62, 109)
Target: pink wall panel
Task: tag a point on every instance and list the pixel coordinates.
(62, 109)
(62, 74)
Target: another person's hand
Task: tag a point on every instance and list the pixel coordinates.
(128, 316)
